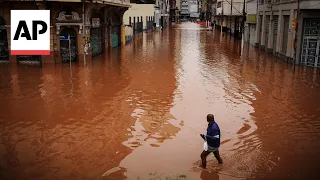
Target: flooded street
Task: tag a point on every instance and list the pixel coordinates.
(137, 112)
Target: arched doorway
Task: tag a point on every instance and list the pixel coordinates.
(115, 31)
(4, 52)
(64, 45)
(115, 36)
(96, 34)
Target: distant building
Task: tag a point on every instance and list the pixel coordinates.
(184, 9)
(190, 9)
(229, 16)
(206, 9)
(213, 11)
(194, 8)
(139, 13)
(174, 10)
(138, 18)
(162, 13)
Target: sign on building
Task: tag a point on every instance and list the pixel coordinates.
(252, 18)
(30, 32)
(95, 22)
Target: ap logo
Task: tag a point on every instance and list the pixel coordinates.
(30, 32)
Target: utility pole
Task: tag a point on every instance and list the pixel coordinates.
(244, 17)
(83, 35)
(231, 18)
(222, 18)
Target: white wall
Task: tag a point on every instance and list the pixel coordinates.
(128, 32)
(193, 8)
(178, 4)
(138, 10)
(250, 29)
(250, 33)
(251, 7)
(237, 7)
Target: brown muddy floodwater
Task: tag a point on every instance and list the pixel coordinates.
(138, 112)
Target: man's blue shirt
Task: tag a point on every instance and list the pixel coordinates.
(213, 135)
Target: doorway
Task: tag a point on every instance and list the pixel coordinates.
(115, 36)
(96, 41)
(311, 43)
(64, 45)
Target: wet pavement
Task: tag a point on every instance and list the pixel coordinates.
(137, 113)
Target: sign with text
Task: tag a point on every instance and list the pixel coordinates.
(30, 32)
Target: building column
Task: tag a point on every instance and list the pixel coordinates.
(123, 34)
(257, 39)
(263, 35)
(300, 36)
(280, 29)
(246, 32)
(290, 44)
(81, 42)
(270, 34)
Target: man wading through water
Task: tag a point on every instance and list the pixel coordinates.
(213, 141)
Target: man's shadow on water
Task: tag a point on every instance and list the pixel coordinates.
(206, 175)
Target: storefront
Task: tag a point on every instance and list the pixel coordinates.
(96, 37)
(115, 36)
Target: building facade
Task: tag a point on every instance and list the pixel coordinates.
(93, 25)
(251, 21)
(194, 9)
(290, 29)
(190, 9)
(206, 9)
(174, 10)
(137, 19)
(184, 13)
(213, 12)
(162, 13)
(229, 16)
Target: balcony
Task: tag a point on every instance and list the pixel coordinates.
(224, 8)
